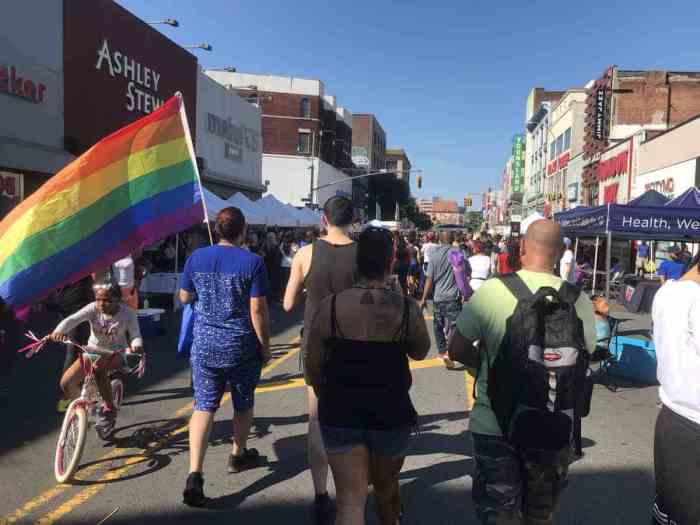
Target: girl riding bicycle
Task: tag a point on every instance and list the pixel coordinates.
(113, 326)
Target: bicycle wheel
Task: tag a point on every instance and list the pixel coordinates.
(117, 392)
(71, 441)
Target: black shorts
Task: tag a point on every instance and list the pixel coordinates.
(676, 469)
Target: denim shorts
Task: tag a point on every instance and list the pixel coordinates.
(385, 443)
(209, 384)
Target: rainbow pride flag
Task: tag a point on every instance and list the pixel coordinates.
(134, 187)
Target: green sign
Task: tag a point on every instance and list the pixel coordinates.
(517, 173)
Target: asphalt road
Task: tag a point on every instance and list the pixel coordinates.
(612, 484)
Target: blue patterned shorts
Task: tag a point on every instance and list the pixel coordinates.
(209, 384)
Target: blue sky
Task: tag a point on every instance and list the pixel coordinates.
(447, 80)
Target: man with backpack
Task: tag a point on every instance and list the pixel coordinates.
(446, 281)
(527, 337)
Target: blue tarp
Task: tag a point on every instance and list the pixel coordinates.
(634, 221)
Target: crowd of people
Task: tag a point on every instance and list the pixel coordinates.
(364, 296)
(507, 309)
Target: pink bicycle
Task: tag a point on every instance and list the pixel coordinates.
(82, 411)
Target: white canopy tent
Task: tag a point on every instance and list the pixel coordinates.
(253, 215)
(214, 204)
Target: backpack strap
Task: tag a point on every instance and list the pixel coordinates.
(516, 286)
(569, 292)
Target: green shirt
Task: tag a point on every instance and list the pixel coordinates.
(484, 318)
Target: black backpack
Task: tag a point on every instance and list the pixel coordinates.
(537, 383)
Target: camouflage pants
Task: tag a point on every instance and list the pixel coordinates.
(508, 490)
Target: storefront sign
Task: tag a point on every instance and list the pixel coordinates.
(516, 178)
(12, 82)
(614, 166)
(238, 137)
(599, 130)
(610, 193)
(664, 186)
(116, 68)
(118, 64)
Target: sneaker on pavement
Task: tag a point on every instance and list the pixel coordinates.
(249, 459)
(193, 495)
(323, 510)
(106, 420)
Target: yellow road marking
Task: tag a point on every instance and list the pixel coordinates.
(300, 383)
(45, 497)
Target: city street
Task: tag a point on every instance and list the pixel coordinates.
(612, 484)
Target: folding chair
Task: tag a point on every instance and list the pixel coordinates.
(607, 360)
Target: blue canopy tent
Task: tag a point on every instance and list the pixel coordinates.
(650, 216)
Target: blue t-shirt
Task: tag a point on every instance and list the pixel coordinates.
(643, 250)
(224, 279)
(671, 270)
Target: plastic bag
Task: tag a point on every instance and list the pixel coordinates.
(184, 342)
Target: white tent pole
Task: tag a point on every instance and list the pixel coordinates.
(608, 255)
(595, 264)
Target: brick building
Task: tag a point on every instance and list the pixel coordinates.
(368, 152)
(442, 211)
(307, 137)
(623, 103)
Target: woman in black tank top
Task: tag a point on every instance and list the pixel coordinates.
(357, 362)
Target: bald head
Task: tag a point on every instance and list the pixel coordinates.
(543, 241)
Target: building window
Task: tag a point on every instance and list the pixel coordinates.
(560, 144)
(567, 139)
(305, 108)
(304, 143)
(552, 150)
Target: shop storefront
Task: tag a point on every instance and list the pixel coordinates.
(31, 109)
(670, 163)
(118, 69)
(616, 171)
(229, 143)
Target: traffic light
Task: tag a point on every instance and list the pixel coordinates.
(420, 181)
(467, 202)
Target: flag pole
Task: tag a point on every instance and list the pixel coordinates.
(193, 157)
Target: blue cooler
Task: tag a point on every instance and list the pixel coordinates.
(634, 358)
(150, 322)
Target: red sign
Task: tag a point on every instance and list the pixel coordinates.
(558, 164)
(610, 193)
(614, 166)
(564, 160)
(662, 186)
(13, 83)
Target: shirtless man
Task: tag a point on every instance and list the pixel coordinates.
(324, 268)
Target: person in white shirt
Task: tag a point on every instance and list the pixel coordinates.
(124, 271)
(566, 264)
(480, 265)
(676, 321)
(427, 249)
